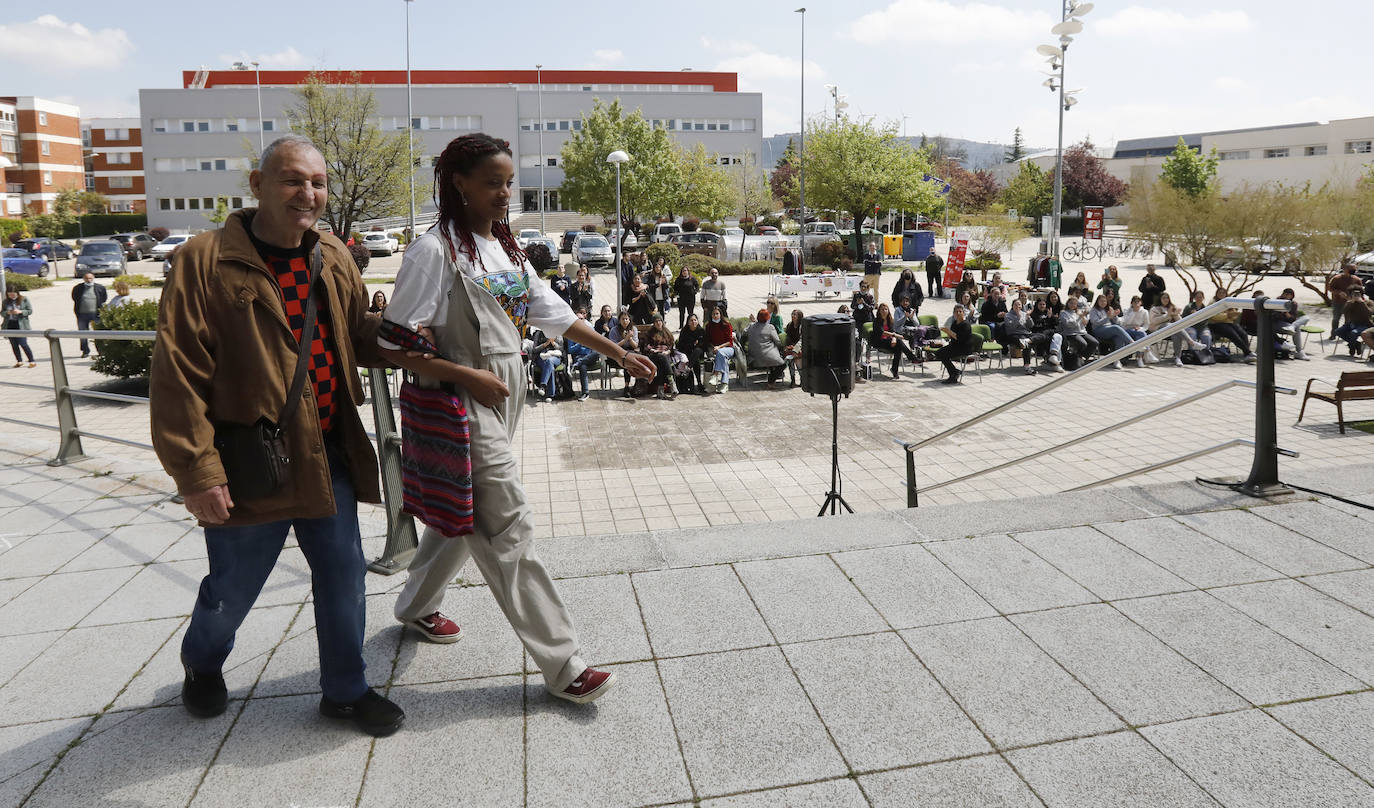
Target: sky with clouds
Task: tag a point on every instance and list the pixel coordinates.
(964, 69)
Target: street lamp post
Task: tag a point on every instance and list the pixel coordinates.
(410, 131)
(6, 163)
(1067, 26)
(539, 77)
(801, 151)
(617, 157)
(257, 81)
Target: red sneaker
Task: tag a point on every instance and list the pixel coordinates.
(437, 628)
(590, 686)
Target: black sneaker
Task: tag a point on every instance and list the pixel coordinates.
(373, 713)
(204, 694)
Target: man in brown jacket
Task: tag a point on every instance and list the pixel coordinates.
(1339, 289)
(229, 330)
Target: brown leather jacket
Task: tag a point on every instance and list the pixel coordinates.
(224, 352)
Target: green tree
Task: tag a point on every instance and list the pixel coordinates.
(649, 183)
(1018, 148)
(707, 191)
(1030, 192)
(753, 195)
(78, 202)
(1189, 172)
(369, 171)
(854, 166)
(221, 211)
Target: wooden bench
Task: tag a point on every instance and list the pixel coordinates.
(1354, 385)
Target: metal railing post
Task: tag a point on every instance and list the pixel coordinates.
(69, 448)
(912, 499)
(401, 540)
(1264, 471)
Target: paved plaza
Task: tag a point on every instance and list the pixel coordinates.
(1151, 643)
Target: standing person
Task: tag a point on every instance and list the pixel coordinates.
(468, 281)
(378, 303)
(88, 298)
(627, 275)
(580, 297)
(121, 297)
(962, 342)
(1151, 287)
(1111, 279)
(713, 294)
(935, 267)
(1338, 288)
(873, 266)
(219, 362)
(642, 306)
(907, 287)
(17, 311)
(685, 287)
(660, 285)
(561, 284)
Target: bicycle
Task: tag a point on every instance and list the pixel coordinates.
(1084, 252)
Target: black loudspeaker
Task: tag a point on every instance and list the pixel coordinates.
(827, 357)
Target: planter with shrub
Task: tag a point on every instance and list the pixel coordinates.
(125, 358)
(668, 252)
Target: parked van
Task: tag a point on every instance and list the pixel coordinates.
(662, 231)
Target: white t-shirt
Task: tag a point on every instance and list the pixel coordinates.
(424, 280)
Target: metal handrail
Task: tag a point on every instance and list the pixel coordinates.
(1264, 385)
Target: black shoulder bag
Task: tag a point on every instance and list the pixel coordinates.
(254, 456)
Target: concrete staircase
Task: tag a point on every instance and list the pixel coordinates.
(554, 222)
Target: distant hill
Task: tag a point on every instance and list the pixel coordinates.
(980, 155)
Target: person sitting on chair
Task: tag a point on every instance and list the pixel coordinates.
(763, 347)
(1105, 326)
(1073, 326)
(1357, 316)
(1165, 312)
(1136, 321)
(791, 345)
(721, 338)
(580, 357)
(994, 310)
(887, 337)
(1017, 331)
(691, 342)
(1222, 325)
(962, 342)
(1045, 337)
(1291, 323)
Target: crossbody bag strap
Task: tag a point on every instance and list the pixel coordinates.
(293, 397)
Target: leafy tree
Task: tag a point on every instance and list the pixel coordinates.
(1030, 192)
(221, 211)
(783, 181)
(1189, 172)
(649, 184)
(369, 171)
(1018, 148)
(707, 191)
(752, 191)
(856, 166)
(78, 202)
(1087, 181)
(970, 191)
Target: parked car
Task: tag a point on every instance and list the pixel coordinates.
(662, 231)
(631, 240)
(49, 248)
(136, 245)
(527, 235)
(547, 242)
(696, 243)
(101, 258)
(381, 243)
(20, 262)
(769, 230)
(592, 249)
(165, 247)
(732, 232)
(568, 237)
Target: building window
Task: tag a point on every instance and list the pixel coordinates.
(180, 203)
(164, 204)
(46, 147)
(221, 165)
(116, 134)
(193, 203)
(86, 136)
(1359, 146)
(160, 125)
(1242, 154)
(90, 183)
(1314, 151)
(121, 182)
(1271, 153)
(42, 119)
(236, 202)
(188, 126)
(231, 126)
(553, 161)
(47, 178)
(119, 158)
(269, 125)
(207, 165)
(121, 206)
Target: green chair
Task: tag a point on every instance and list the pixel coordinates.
(928, 320)
(1319, 331)
(990, 348)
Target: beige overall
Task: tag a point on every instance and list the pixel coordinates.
(478, 334)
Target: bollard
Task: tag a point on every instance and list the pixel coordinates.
(401, 540)
(70, 447)
(911, 499)
(1264, 471)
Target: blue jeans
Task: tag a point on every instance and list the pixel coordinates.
(1351, 334)
(721, 364)
(547, 366)
(83, 323)
(1113, 333)
(241, 558)
(580, 364)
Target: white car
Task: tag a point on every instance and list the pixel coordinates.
(380, 243)
(164, 248)
(526, 236)
(663, 230)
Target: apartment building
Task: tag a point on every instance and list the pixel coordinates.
(113, 157)
(199, 140)
(42, 141)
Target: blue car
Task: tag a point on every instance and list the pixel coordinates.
(49, 248)
(20, 262)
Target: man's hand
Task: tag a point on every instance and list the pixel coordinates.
(487, 388)
(211, 505)
(638, 365)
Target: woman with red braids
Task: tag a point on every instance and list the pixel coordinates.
(468, 282)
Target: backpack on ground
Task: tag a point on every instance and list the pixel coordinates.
(1191, 357)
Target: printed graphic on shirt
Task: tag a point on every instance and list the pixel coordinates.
(512, 292)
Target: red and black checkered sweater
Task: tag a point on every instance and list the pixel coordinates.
(292, 270)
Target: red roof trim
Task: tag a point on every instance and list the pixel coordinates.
(720, 82)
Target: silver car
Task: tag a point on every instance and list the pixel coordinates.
(101, 258)
(592, 249)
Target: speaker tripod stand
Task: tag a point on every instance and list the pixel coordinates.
(833, 496)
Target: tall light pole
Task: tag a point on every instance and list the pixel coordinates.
(539, 77)
(1067, 26)
(257, 80)
(410, 130)
(801, 152)
(617, 157)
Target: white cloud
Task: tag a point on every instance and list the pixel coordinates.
(942, 21)
(64, 46)
(1156, 22)
(605, 58)
(103, 106)
(281, 60)
(1230, 84)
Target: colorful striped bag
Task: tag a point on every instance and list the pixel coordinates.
(436, 449)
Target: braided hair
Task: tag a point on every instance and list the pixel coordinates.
(461, 156)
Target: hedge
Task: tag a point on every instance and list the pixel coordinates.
(24, 283)
(134, 281)
(106, 224)
(125, 358)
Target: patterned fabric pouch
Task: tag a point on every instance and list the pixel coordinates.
(436, 448)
